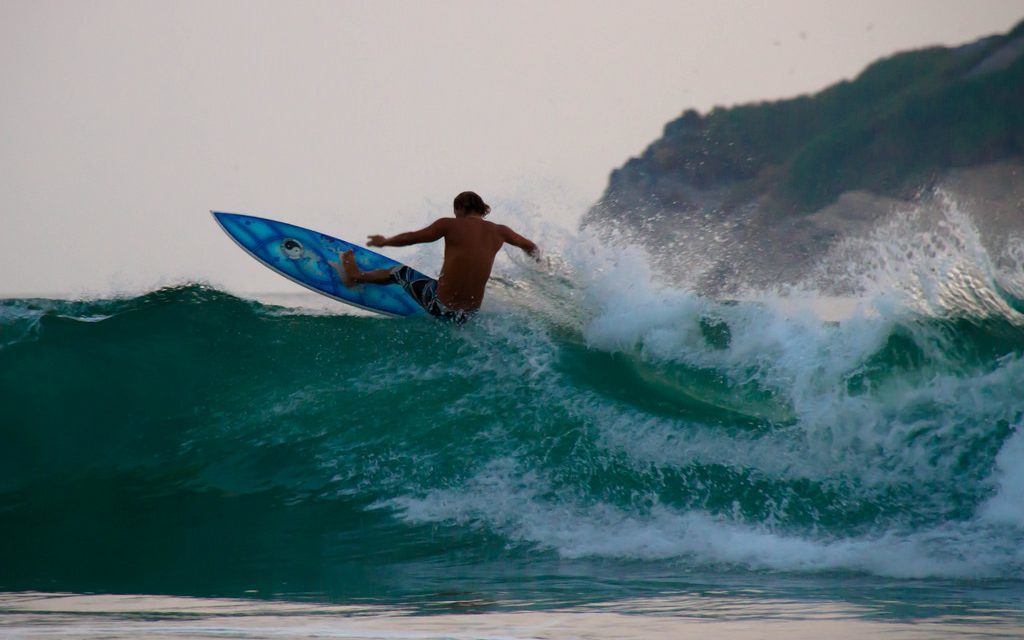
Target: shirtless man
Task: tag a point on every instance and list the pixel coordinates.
(470, 244)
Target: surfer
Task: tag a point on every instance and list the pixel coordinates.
(470, 244)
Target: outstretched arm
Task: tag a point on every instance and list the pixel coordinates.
(516, 240)
(430, 233)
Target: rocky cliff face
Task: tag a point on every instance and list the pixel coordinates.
(755, 193)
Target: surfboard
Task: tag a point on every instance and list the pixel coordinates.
(302, 256)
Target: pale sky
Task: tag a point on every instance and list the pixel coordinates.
(123, 123)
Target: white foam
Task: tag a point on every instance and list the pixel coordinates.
(903, 432)
(1007, 505)
(517, 503)
(928, 258)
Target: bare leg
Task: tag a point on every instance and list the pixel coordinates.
(350, 274)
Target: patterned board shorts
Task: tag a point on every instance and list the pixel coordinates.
(424, 291)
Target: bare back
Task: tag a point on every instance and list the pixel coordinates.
(470, 244)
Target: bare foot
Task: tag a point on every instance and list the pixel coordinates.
(349, 270)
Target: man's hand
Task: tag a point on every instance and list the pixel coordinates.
(516, 240)
(376, 241)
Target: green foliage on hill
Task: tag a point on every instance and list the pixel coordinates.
(900, 121)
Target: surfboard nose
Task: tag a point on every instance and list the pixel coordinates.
(218, 216)
(225, 219)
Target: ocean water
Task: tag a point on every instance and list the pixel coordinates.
(603, 452)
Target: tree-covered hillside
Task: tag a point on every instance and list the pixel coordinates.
(890, 130)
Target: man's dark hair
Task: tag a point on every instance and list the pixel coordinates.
(470, 202)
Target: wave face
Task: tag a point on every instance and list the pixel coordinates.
(191, 441)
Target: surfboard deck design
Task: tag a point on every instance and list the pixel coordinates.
(302, 256)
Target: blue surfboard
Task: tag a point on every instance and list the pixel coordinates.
(302, 256)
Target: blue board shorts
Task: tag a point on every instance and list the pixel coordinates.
(423, 290)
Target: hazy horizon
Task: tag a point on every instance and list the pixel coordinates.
(126, 122)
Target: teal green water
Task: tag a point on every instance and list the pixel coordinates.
(187, 441)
